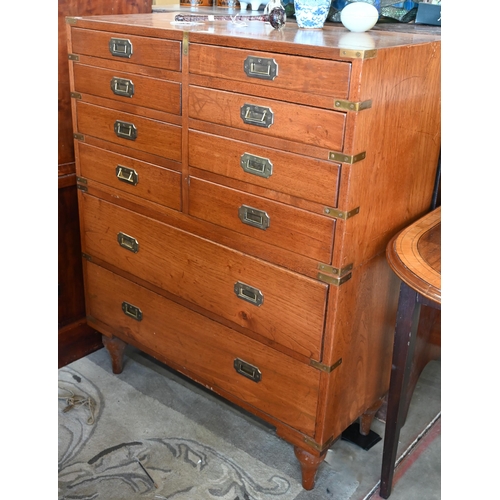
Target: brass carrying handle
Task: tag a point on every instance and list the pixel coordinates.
(248, 293)
(128, 175)
(122, 86)
(254, 217)
(125, 130)
(132, 311)
(256, 165)
(128, 242)
(260, 116)
(258, 67)
(121, 47)
(247, 370)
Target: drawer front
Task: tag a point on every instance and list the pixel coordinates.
(140, 178)
(154, 52)
(275, 223)
(287, 389)
(129, 88)
(247, 291)
(314, 126)
(302, 74)
(151, 136)
(269, 168)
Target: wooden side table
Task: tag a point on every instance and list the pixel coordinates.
(415, 256)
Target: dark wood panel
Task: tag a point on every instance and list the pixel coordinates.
(76, 338)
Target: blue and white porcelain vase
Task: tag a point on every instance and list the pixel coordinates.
(311, 13)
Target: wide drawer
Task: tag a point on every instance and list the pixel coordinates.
(133, 131)
(289, 173)
(254, 294)
(303, 74)
(140, 178)
(279, 385)
(266, 220)
(130, 88)
(304, 124)
(154, 52)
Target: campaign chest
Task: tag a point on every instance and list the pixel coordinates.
(238, 186)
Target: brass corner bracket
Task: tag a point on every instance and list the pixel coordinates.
(323, 367)
(340, 214)
(352, 106)
(331, 280)
(335, 270)
(358, 54)
(343, 158)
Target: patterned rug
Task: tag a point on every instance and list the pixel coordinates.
(128, 446)
(152, 434)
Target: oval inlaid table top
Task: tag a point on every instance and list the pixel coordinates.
(414, 255)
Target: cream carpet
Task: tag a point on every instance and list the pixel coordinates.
(152, 434)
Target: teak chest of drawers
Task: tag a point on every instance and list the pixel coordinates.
(237, 189)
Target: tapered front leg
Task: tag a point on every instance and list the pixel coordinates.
(116, 348)
(366, 420)
(309, 464)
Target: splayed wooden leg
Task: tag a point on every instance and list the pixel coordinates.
(309, 464)
(365, 421)
(115, 347)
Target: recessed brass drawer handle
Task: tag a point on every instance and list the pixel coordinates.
(128, 175)
(128, 242)
(256, 165)
(125, 130)
(261, 116)
(258, 67)
(122, 86)
(120, 47)
(254, 217)
(248, 293)
(132, 311)
(247, 370)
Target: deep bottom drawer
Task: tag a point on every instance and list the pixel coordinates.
(283, 306)
(287, 389)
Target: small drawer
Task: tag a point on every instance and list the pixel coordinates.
(212, 354)
(140, 178)
(280, 171)
(154, 52)
(304, 124)
(133, 131)
(130, 88)
(292, 73)
(269, 221)
(254, 294)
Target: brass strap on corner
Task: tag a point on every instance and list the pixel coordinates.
(81, 184)
(340, 214)
(323, 367)
(75, 95)
(73, 57)
(343, 158)
(358, 54)
(71, 20)
(318, 447)
(352, 106)
(335, 270)
(185, 43)
(332, 280)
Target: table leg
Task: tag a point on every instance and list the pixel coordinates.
(404, 346)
